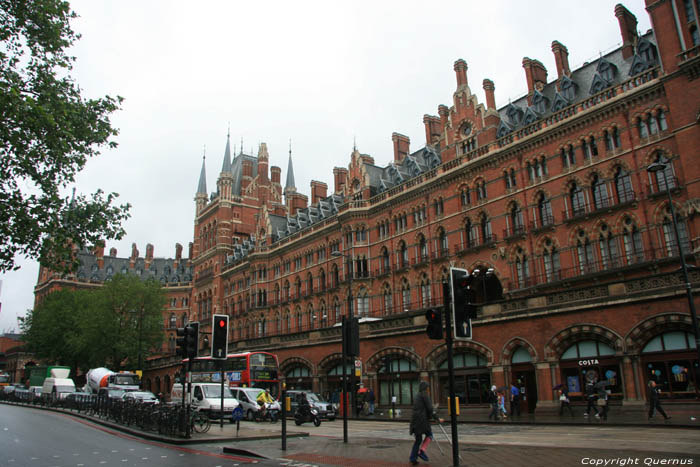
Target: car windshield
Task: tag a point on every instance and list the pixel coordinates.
(215, 391)
(311, 397)
(320, 398)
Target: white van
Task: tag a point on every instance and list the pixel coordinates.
(57, 388)
(206, 397)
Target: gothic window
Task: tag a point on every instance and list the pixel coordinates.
(465, 197)
(568, 156)
(516, 219)
(600, 193)
(612, 139)
(362, 302)
(552, 264)
(336, 311)
(387, 299)
(568, 89)
(485, 227)
(664, 179)
(425, 291)
(577, 198)
(632, 240)
(670, 235)
(322, 280)
(544, 210)
(386, 262)
(297, 288)
(584, 253)
(406, 295)
(335, 277)
(608, 248)
(403, 255)
(623, 186)
(522, 268)
(423, 248)
(286, 290)
(309, 284)
(442, 241)
(173, 321)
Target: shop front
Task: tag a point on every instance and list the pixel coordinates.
(472, 379)
(590, 362)
(671, 360)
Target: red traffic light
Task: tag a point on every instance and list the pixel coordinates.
(222, 323)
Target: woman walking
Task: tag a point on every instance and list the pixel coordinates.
(420, 423)
(654, 401)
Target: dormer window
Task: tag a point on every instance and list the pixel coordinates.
(567, 88)
(539, 103)
(515, 114)
(646, 50)
(606, 70)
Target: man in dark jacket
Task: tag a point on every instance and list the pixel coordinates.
(420, 422)
(654, 401)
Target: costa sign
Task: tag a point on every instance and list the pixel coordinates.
(593, 361)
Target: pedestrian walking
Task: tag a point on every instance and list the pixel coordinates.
(602, 403)
(514, 400)
(591, 398)
(564, 402)
(502, 404)
(370, 401)
(493, 400)
(655, 401)
(420, 423)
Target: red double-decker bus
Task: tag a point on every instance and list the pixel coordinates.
(247, 369)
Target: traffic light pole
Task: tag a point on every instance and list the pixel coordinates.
(451, 374)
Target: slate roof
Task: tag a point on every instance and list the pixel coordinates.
(587, 80)
(161, 269)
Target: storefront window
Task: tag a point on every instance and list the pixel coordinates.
(401, 381)
(521, 355)
(299, 377)
(590, 361)
(669, 359)
(472, 379)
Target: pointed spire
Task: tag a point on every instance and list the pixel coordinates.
(241, 145)
(202, 188)
(226, 167)
(290, 171)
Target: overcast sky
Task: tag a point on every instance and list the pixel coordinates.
(319, 73)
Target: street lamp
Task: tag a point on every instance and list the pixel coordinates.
(349, 314)
(657, 167)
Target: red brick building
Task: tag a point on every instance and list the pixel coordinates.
(551, 195)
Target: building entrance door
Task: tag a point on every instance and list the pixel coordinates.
(524, 378)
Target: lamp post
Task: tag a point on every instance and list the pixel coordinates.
(656, 167)
(348, 316)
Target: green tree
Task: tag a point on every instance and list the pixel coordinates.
(54, 329)
(48, 130)
(115, 326)
(130, 321)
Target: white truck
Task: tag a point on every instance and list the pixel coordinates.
(57, 386)
(104, 378)
(206, 397)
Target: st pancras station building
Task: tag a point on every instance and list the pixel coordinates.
(573, 208)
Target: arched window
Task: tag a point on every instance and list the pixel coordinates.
(387, 300)
(173, 321)
(670, 234)
(406, 295)
(335, 277)
(612, 139)
(423, 249)
(623, 186)
(632, 240)
(442, 241)
(544, 210)
(403, 255)
(362, 302)
(578, 200)
(309, 284)
(670, 359)
(469, 240)
(552, 264)
(485, 227)
(584, 252)
(425, 291)
(322, 280)
(465, 197)
(601, 364)
(386, 261)
(337, 310)
(400, 379)
(608, 248)
(471, 376)
(521, 355)
(600, 193)
(516, 220)
(522, 268)
(663, 179)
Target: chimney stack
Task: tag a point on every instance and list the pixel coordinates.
(178, 251)
(460, 68)
(113, 252)
(319, 191)
(489, 89)
(628, 29)
(401, 146)
(275, 174)
(561, 58)
(535, 74)
(432, 128)
(340, 175)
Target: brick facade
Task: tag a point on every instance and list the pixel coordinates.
(551, 193)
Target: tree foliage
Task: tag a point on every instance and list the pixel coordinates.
(111, 326)
(48, 130)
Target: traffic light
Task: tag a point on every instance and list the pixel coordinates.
(181, 343)
(462, 303)
(219, 341)
(434, 329)
(192, 340)
(351, 335)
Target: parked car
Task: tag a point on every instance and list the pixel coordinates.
(141, 397)
(325, 408)
(109, 395)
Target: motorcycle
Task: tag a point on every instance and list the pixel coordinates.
(269, 411)
(306, 414)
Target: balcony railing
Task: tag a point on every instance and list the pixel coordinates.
(546, 221)
(513, 231)
(656, 189)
